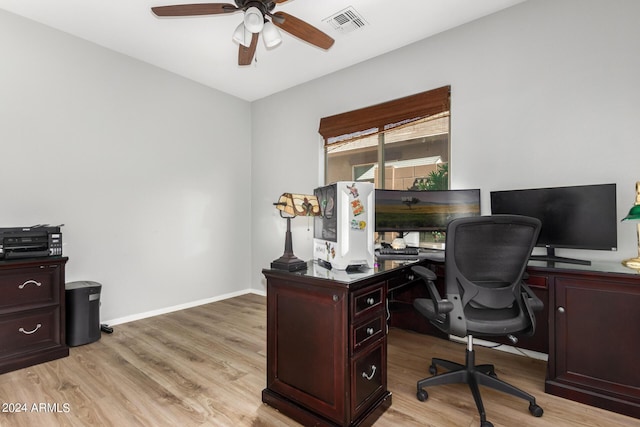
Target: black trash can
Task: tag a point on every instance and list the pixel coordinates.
(82, 300)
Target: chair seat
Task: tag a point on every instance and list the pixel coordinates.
(479, 321)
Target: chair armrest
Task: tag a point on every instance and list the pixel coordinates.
(441, 305)
(533, 302)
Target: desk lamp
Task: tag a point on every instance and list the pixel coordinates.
(634, 213)
(294, 205)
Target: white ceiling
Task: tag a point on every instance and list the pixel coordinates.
(202, 49)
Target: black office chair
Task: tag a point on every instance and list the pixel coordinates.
(485, 261)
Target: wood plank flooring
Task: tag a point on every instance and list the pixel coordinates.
(205, 366)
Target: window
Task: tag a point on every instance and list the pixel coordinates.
(396, 145)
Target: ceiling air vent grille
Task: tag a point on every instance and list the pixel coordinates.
(346, 20)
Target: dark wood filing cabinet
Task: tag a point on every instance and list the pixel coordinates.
(32, 328)
(327, 344)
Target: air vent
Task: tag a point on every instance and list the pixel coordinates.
(346, 20)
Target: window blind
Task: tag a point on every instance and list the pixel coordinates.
(387, 115)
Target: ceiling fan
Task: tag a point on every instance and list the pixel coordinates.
(255, 21)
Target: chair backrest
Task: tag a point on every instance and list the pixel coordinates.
(486, 258)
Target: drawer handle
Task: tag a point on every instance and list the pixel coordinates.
(29, 282)
(369, 331)
(38, 326)
(373, 372)
(370, 301)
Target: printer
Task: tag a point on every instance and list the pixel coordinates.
(30, 242)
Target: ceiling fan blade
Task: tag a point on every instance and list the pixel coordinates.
(245, 54)
(194, 9)
(302, 30)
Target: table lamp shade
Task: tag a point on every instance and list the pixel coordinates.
(298, 204)
(634, 214)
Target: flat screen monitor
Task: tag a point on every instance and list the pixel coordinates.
(404, 211)
(576, 217)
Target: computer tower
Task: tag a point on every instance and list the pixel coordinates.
(82, 309)
(344, 233)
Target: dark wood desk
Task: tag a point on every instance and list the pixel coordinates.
(326, 330)
(327, 344)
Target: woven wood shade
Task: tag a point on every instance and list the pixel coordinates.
(378, 118)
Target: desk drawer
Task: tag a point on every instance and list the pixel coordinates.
(535, 281)
(369, 377)
(22, 287)
(367, 332)
(401, 280)
(29, 331)
(368, 300)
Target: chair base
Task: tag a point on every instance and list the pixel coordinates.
(474, 376)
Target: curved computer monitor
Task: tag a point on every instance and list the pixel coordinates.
(404, 211)
(574, 217)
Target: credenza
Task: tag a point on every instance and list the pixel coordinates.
(594, 334)
(32, 328)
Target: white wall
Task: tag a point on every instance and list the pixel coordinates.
(543, 94)
(148, 171)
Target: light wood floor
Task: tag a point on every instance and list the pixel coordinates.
(206, 366)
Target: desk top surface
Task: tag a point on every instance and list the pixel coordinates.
(438, 256)
(595, 266)
(315, 270)
(386, 265)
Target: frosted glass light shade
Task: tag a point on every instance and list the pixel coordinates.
(242, 35)
(253, 20)
(271, 35)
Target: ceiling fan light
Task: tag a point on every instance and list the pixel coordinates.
(242, 35)
(271, 35)
(253, 20)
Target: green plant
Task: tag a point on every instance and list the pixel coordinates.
(436, 180)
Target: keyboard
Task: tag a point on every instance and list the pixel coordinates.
(392, 251)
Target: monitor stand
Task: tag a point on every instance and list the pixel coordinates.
(551, 257)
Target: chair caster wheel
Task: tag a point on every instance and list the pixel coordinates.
(433, 370)
(422, 395)
(535, 410)
(486, 424)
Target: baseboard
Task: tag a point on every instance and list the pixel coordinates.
(165, 310)
(503, 347)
